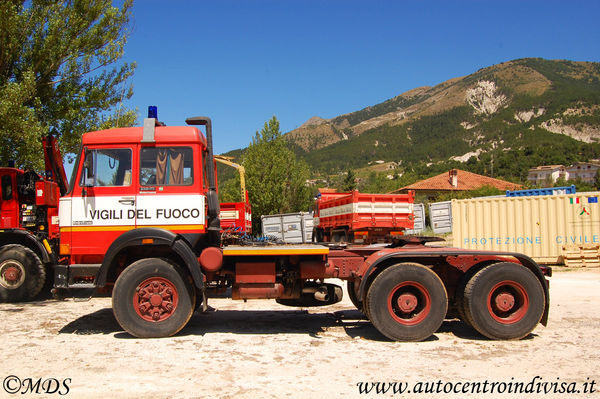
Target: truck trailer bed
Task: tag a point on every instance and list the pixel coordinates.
(279, 249)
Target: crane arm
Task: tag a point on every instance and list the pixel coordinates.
(227, 161)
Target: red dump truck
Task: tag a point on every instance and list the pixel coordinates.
(141, 220)
(236, 216)
(362, 218)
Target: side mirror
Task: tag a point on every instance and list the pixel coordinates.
(88, 169)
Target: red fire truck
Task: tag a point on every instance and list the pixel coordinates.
(141, 218)
(29, 228)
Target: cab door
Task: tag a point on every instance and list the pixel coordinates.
(102, 202)
(170, 192)
(9, 203)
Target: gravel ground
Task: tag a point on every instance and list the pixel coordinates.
(259, 349)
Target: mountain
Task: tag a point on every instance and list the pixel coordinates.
(500, 120)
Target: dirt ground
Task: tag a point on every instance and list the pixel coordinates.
(260, 349)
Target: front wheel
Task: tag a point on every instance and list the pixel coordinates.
(22, 274)
(504, 301)
(152, 298)
(407, 302)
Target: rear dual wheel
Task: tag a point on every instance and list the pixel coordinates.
(407, 302)
(459, 297)
(153, 298)
(504, 301)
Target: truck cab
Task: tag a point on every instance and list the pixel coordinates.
(130, 184)
(149, 182)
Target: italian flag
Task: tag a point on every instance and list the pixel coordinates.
(574, 200)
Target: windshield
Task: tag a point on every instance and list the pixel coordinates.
(74, 173)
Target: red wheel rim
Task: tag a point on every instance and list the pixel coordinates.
(12, 274)
(508, 302)
(409, 303)
(155, 299)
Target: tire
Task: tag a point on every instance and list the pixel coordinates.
(504, 301)
(407, 302)
(158, 280)
(22, 274)
(339, 236)
(459, 296)
(317, 235)
(352, 294)
(366, 310)
(198, 302)
(460, 305)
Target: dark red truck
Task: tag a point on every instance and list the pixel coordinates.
(141, 219)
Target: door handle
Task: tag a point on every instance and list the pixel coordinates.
(127, 201)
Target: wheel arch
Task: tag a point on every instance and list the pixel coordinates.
(374, 270)
(28, 240)
(153, 242)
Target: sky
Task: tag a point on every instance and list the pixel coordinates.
(243, 62)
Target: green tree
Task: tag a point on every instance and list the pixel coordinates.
(229, 190)
(58, 73)
(597, 180)
(275, 178)
(349, 182)
(377, 183)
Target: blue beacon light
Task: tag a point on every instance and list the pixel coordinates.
(153, 112)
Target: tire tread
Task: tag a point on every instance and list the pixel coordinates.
(28, 293)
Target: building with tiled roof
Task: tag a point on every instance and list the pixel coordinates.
(546, 174)
(585, 171)
(458, 180)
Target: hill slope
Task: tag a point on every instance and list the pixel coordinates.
(508, 117)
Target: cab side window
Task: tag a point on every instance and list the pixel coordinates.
(107, 168)
(166, 166)
(6, 187)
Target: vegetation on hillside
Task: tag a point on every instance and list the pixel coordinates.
(383, 108)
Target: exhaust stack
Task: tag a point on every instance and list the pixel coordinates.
(212, 198)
